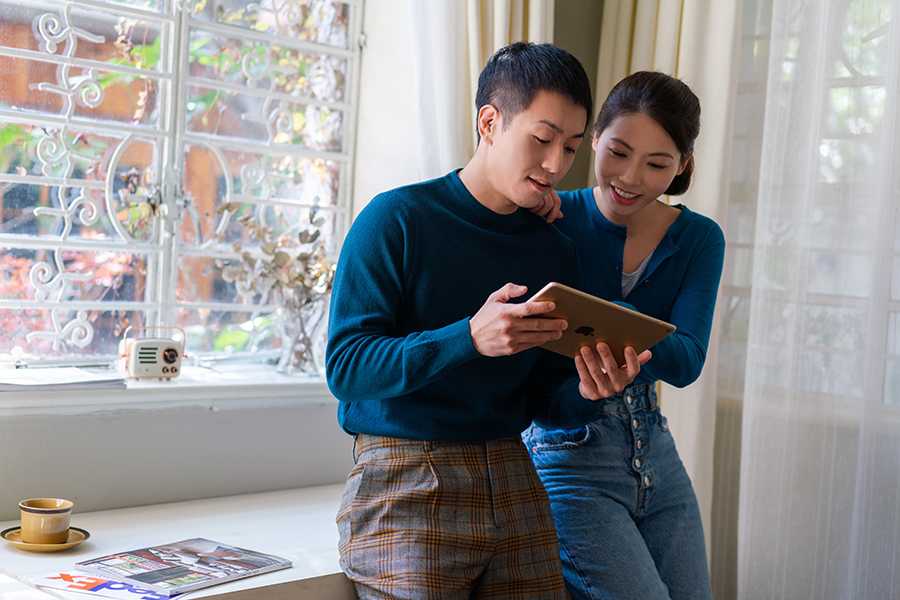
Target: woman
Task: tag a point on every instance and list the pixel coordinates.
(625, 510)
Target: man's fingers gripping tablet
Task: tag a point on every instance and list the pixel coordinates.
(500, 328)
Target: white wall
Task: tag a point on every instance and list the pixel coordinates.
(110, 458)
(386, 138)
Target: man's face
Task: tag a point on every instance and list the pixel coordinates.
(531, 152)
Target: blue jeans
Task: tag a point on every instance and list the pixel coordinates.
(625, 511)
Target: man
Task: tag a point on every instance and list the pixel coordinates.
(433, 355)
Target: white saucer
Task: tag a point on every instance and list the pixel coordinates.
(13, 535)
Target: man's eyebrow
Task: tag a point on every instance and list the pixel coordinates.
(624, 143)
(558, 129)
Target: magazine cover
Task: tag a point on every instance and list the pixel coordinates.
(92, 585)
(182, 566)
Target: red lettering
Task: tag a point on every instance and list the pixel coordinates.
(88, 583)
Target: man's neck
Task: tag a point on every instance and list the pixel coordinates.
(474, 177)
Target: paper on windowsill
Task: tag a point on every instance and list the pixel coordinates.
(59, 378)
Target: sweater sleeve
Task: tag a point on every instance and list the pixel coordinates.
(678, 359)
(366, 357)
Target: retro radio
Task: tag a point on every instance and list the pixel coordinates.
(150, 357)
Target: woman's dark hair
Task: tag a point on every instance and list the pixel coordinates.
(666, 100)
(516, 73)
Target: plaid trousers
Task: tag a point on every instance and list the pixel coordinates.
(421, 520)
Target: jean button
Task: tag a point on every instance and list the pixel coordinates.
(641, 443)
(638, 462)
(635, 423)
(647, 480)
(629, 399)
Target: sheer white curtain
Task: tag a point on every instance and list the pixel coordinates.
(452, 40)
(820, 453)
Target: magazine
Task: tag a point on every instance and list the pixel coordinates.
(182, 566)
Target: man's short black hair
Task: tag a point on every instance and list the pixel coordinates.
(515, 74)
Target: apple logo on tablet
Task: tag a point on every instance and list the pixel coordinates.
(585, 331)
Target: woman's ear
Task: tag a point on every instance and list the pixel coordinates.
(595, 140)
(488, 121)
(683, 164)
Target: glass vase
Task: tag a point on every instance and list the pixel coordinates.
(302, 326)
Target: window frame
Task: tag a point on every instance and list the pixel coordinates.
(171, 128)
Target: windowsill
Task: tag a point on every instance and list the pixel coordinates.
(229, 385)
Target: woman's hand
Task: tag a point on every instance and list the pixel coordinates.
(549, 207)
(600, 376)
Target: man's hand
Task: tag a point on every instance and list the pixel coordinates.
(600, 376)
(500, 328)
(549, 207)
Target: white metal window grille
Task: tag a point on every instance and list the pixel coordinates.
(144, 142)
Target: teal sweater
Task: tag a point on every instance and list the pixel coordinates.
(416, 265)
(679, 286)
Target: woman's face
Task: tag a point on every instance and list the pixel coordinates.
(636, 160)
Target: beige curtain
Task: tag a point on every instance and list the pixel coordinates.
(696, 41)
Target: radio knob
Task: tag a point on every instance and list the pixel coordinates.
(169, 355)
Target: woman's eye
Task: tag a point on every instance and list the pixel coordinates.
(541, 141)
(615, 153)
(658, 167)
(570, 150)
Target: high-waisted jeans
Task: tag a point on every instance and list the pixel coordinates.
(625, 510)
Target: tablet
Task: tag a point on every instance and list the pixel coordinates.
(592, 320)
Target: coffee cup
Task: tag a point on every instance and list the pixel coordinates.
(45, 520)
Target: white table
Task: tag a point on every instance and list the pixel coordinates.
(10, 589)
(296, 524)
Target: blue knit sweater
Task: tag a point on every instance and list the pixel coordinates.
(679, 286)
(417, 264)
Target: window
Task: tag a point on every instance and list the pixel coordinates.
(146, 145)
(850, 255)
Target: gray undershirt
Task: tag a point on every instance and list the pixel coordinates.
(629, 280)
